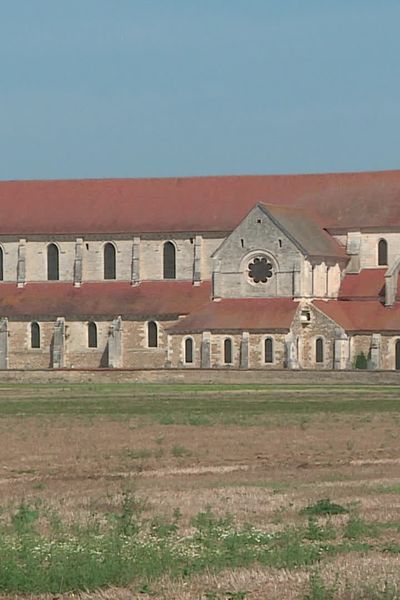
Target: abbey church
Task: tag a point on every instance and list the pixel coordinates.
(250, 272)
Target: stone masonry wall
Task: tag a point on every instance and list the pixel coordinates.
(150, 262)
(257, 351)
(176, 351)
(319, 326)
(255, 235)
(21, 355)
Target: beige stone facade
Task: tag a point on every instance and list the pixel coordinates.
(315, 297)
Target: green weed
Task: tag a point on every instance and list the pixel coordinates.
(356, 528)
(319, 590)
(180, 451)
(324, 507)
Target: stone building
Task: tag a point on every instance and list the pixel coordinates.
(260, 272)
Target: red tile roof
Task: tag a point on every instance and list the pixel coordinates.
(240, 314)
(149, 299)
(368, 284)
(344, 200)
(362, 316)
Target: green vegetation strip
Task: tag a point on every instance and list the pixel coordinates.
(195, 404)
(39, 553)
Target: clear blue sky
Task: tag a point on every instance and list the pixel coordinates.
(143, 88)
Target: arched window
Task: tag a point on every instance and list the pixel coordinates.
(228, 351)
(92, 335)
(397, 355)
(110, 269)
(382, 253)
(188, 350)
(53, 273)
(1, 265)
(152, 335)
(268, 350)
(35, 335)
(169, 259)
(319, 350)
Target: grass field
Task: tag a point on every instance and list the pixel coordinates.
(200, 492)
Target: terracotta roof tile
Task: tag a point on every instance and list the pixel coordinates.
(368, 284)
(149, 299)
(242, 314)
(362, 316)
(344, 200)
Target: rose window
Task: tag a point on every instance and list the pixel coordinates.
(260, 269)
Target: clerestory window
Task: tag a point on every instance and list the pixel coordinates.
(53, 272)
(169, 261)
(110, 263)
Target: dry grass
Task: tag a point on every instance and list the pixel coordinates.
(261, 474)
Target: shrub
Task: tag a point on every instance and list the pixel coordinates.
(323, 507)
(361, 361)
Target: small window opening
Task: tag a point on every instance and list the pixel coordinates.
(397, 356)
(305, 316)
(52, 263)
(1, 265)
(109, 262)
(191, 240)
(319, 350)
(228, 351)
(242, 242)
(152, 335)
(188, 350)
(382, 253)
(258, 220)
(35, 335)
(92, 335)
(280, 243)
(87, 246)
(169, 259)
(268, 351)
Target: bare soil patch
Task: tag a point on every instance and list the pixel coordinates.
(262, 474)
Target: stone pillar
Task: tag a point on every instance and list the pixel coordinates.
(78, 262)
(135, 268)
(244, 350)
(216, 287)
(340, 349)
(375, 359)
(4, 343)
(334, 280)
(57, 354)
(353, 250)
(320, 280)
(197, 260)
(292, 361)
(391, 283)
(296, 291)
(306, 284)
(206, 350)
(115, 344)
(21, 265)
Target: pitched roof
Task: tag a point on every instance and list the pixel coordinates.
(209, 204)
(305, 231)
(368, 284)
(109, 299)
(361, 316)
(239, 314)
